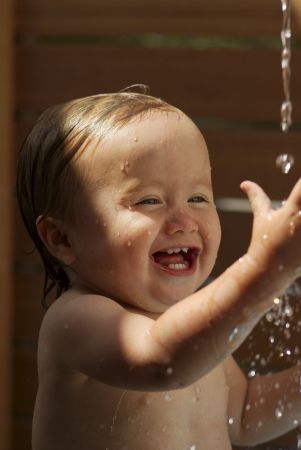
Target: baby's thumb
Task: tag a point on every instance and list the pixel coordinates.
(260, 202)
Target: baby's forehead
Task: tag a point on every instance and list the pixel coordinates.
(143, 138)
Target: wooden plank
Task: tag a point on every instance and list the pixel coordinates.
(6, 100)
(25, 380)
(224, 84)
(235, 18)
(239, 155)
(22, 434)
(28, 312)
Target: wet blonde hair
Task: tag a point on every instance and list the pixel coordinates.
(46, 184)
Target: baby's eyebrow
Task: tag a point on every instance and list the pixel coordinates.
(138, 184)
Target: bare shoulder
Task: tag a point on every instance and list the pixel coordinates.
(71, 322)
(74, 310)
(95, 336)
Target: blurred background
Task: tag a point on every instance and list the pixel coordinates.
(218, 61)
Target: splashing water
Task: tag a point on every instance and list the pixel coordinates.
(285, 162)
(286, 34)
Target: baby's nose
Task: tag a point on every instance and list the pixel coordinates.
(180, 221)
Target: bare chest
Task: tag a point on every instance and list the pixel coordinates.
(105, 418)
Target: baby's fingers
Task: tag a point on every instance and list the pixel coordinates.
(295, 195)
(260, 202)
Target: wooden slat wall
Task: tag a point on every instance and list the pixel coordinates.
(6, 219)
(233, 88)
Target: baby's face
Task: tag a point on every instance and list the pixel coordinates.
(147, 231)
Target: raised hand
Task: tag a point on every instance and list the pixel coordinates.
(276, 237)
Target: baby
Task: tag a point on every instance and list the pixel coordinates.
(115, 191)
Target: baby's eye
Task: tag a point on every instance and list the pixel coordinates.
(197, 199)
(149, 201)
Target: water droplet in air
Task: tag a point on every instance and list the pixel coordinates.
(278, 413)
(285, 162)
(288, 311)
(252, 373)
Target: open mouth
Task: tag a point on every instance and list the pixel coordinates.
(177, 260)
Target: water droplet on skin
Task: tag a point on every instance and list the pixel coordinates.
(260, 424)
(277, 385)
(169, 371)
(231, 421)
(265, 237)
(105, 225)
(271, 339)
(280, 267)
(118, 234)
(124, 167)
(276, 301)
(285, 162)
(252, 373)
(129, 243)
(295, 422)
(164, 428)
(248, 407)
(135, 139)
(292, 227)
(233, 335)
(193, 447)
(167, 397)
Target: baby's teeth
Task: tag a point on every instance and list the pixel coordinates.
(177, 250)
(177, 266)
(173, 250)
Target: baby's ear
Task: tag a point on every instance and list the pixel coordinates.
(52, 233)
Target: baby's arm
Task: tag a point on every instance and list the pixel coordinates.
(264, 407)
(127, 349)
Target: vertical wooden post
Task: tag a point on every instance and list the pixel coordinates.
(6, 176)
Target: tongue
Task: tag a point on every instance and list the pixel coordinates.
(165, 259)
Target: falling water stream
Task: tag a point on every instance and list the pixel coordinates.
(285, 161)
